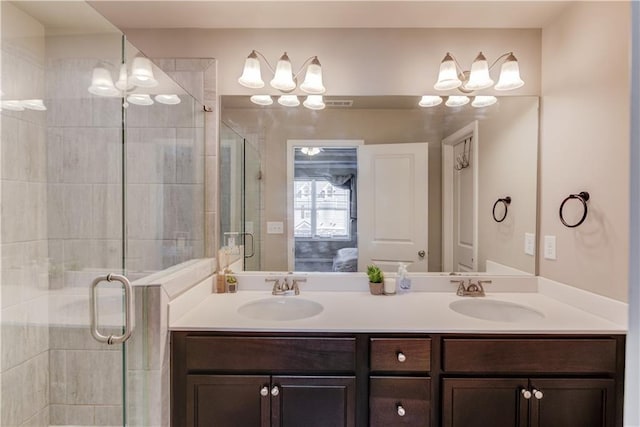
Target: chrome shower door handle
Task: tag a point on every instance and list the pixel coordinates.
(128, 307)
(253, 250)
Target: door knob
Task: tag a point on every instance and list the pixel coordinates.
(526, 394)
(264, 391)
(401, 357)
(537, 394)
(275, 391)
(421, 254)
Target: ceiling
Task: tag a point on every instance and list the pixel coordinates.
(145, 14)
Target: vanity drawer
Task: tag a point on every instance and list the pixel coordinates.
(530, 355)
(391, 396)
(270, 354)
(400, 354)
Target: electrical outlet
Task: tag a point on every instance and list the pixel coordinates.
(529, 244)
(550, 247)
(275, 227)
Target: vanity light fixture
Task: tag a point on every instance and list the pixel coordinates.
(102, 83)
(457, 101)
(34, 104)
(140, 99)
(12, 105)
(452, 76)
(288, 100)
(283, 77)
(483, 101)
(430, 101)
(314, 102)
(142, 73)
(262, 99)
(167, 99)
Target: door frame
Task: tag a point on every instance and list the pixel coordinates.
(291, 145)
(448, 160)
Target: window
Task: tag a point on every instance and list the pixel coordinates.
(321, 211)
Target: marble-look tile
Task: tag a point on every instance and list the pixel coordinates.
(41, 419)
(210, 134)
(55, 155)
(14, 205)
(151, 155)
(92, 253)
(191, 81)
(56, 211)
(145, 211)
(13, 163)
(67, 112)
(107, 211)
(183, 206)
(77, 338)
(144, 255)
(193, 64)
(144, 346)
(211, 241)
(189, 156)
(12, 402)
(24, 332)
(70, 415)
(35, 385)
(92, 155)
(210, 186)
(144, 386)
(110, 415)
(165, 64)
(77, 220)
(33, 151)
(107, 112)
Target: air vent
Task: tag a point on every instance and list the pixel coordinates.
(338, 103)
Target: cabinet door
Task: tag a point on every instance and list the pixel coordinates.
(573, 403)
(481, 402)
(228, 401)
(313, 401)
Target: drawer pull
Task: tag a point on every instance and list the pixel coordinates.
(526, 394)
(537, 394)
(401, 357)
(275, 391)
(401, 411)
(264, 391)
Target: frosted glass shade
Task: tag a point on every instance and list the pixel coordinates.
(430, 101)
(123, 82)
(479, 77)
(140, 99)
(457, 101)
(283, 78)
(168, 99)
(314, 102)
(289, 100)
(142, 73)
(261, 99)
(34, 104)
(483, 101)
(251, 76)
(313, 79)
(448, 75)
(102, 83)
(12, 105)
(509, 75)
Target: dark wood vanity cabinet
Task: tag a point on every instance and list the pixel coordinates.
(292, 380)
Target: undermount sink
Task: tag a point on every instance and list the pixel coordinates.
(499, 311)
(280, 308)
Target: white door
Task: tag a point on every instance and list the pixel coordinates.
(393, 206)
(460, 200)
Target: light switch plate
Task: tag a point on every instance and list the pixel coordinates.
(529, 244)
(550, 247)
(275, 227)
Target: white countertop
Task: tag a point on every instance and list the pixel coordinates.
(418, 312)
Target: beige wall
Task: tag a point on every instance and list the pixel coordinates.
(355, 61)
(585, 144)
(508, 153)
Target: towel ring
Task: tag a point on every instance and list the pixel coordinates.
(506, 202)
(583, 196)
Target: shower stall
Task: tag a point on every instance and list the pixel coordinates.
(103, 182)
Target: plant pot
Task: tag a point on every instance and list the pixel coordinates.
(376, 288)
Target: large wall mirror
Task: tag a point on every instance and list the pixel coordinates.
(380, 179)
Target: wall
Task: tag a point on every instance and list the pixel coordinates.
(584, 144)
(508, 167)
(355, 61)
(25, 335)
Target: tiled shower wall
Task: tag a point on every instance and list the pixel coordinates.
(24, 370)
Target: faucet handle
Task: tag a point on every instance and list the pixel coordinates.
(276, 285)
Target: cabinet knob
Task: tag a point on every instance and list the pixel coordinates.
(275, 391)
(537, 394)
(526, 394)
(401, 411)
(264, 391)
(401, 357)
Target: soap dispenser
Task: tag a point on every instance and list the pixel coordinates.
(403, 282)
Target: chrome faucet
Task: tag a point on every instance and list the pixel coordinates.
(471, 289)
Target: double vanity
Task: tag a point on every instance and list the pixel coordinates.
(529, 353)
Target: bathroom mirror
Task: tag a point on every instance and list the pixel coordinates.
(475, 160)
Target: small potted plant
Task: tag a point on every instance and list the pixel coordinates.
(376, 280)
